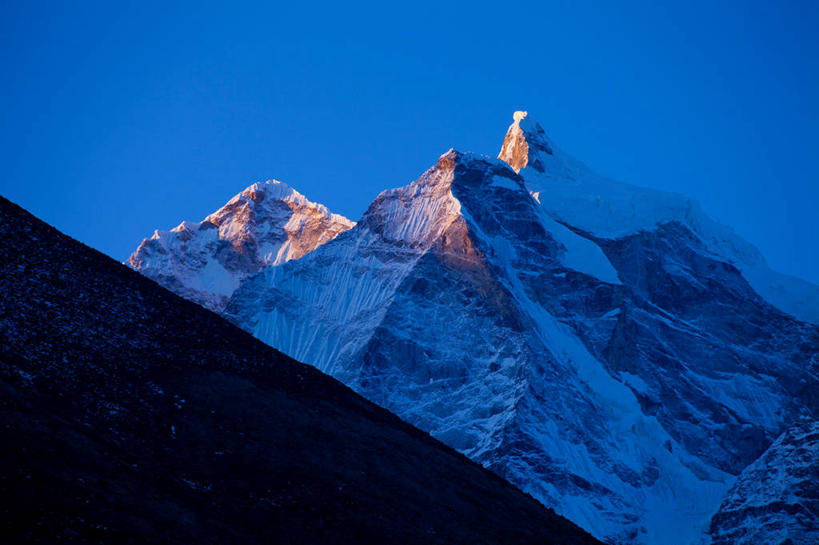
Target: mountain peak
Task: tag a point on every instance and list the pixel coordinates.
(447, 160)
(524, 139)
(273, 189)
(265, 225)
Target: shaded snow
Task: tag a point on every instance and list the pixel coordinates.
(573, 194)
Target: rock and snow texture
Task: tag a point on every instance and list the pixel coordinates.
(775, 499)
(573, 194)
(719, 348)
(263, 226)
(607, 348)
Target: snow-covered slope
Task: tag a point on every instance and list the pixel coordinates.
(573, 194)
(263, 226)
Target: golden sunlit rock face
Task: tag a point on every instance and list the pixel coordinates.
(447, 160)
(515, 149)
(310, 229)
(265, 225)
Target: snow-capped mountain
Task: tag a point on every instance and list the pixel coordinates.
(265, 225)
(722, 350)
(607, 348)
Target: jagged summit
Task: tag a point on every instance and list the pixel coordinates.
(263, 226)
(463, 197)
(576, 196)
(453, 159)
(523, 133)
(256, 193)
(274, 189)
(420, 213)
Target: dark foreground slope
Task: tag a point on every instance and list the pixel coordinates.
(128, 414)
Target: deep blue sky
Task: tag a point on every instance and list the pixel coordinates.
(118, 120)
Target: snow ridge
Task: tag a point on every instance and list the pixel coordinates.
(573, 194)
(265, 225)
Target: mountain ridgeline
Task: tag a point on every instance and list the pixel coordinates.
(265, 225)
(130, 415)
(607, 348)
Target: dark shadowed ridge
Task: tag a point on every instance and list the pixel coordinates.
(129, 415)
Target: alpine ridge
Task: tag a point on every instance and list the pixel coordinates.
(575, 195)
(263, 226)
(607, 348)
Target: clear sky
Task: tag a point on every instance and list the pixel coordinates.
(117, 120)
